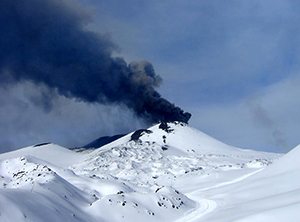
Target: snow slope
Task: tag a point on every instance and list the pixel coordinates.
(272, 194)
(169, 172)
(50, 153)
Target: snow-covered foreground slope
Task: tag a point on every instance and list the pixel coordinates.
(272, 194)
(169, 172)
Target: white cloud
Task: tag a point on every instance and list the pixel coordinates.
(268, 120)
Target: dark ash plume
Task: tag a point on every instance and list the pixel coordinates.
(47, 42)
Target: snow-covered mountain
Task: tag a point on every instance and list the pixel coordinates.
(169, 172)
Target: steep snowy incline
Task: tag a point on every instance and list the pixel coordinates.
(270, 195)
(183, 137)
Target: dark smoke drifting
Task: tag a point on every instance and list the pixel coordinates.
(47, 42)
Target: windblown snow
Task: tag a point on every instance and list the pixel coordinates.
(169, 172)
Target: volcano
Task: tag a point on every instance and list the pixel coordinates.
(168, 172)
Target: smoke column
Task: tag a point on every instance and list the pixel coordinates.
(47, 42)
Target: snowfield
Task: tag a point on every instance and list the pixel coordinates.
(169, 172)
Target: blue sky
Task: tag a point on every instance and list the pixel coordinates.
(233, 64)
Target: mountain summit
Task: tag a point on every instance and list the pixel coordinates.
(168, 172)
